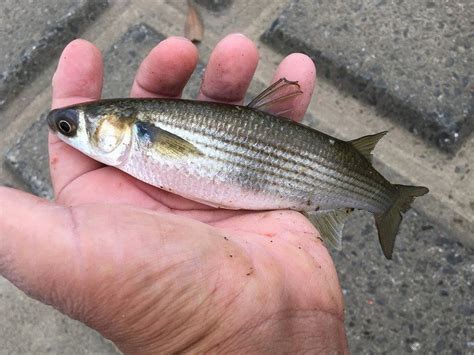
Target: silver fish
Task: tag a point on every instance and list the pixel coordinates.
(239, 157)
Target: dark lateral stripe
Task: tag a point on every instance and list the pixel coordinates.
(292, 174)
(199, 124)
(365, 190)
(268, 177)
(248, 164)
(196, 124)
(271, 186)
(310, 158)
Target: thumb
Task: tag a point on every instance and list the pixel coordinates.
(37, 251)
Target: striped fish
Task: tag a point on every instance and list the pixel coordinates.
(239, 157)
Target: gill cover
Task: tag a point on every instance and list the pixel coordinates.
(111, 137)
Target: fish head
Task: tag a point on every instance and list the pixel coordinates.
(101, 134)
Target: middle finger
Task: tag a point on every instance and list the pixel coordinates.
(166, 70)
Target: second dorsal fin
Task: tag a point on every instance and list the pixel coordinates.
(366, 144)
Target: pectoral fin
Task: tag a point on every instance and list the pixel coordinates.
(330, 225)
(279, 91)
(166, 143)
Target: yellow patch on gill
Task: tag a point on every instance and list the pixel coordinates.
(110, 131)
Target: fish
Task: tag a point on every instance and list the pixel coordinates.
(240, 157)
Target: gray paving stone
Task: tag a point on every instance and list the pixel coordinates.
(414, 60)
(420, 302)
(122, 60)
(29, 327)
(215, 5)
(33, 32)
(28, 159)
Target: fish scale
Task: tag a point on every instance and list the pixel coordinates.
(238, 157)
(273, 152)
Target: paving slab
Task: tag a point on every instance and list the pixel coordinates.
(418, 302)
(122, 60)
(28, 326)
(215, 5)
(414, 60)
(33, 32)
(28, 159)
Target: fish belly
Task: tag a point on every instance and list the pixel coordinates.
(203, 181)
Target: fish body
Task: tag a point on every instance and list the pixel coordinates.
(237, 157)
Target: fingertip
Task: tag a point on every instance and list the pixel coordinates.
(301, 68)
(166, 69)
(300, 61)
(184, 40)
(230, 69)
(79, 74)
(169, 48)
(81, 44)
(241, 41)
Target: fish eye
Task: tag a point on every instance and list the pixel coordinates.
(64, 121)
(64, 126)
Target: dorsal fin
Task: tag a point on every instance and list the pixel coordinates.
(366, 144)
(330, 224)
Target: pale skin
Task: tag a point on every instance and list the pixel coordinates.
(152, 271)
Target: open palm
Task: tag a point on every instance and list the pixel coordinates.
(153, 271)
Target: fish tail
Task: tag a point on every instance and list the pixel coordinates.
(389, 221)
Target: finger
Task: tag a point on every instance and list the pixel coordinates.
(230, 70)
(33, 254)
(166, 70)
(296, 67)
(78, 78)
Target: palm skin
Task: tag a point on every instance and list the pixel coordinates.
(155, 272)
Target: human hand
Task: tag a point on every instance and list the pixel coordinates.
(155, 272)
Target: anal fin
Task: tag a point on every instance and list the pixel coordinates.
(330, 224)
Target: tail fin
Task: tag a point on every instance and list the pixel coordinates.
(388, 222)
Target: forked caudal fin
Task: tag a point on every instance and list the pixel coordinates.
(389, 221)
